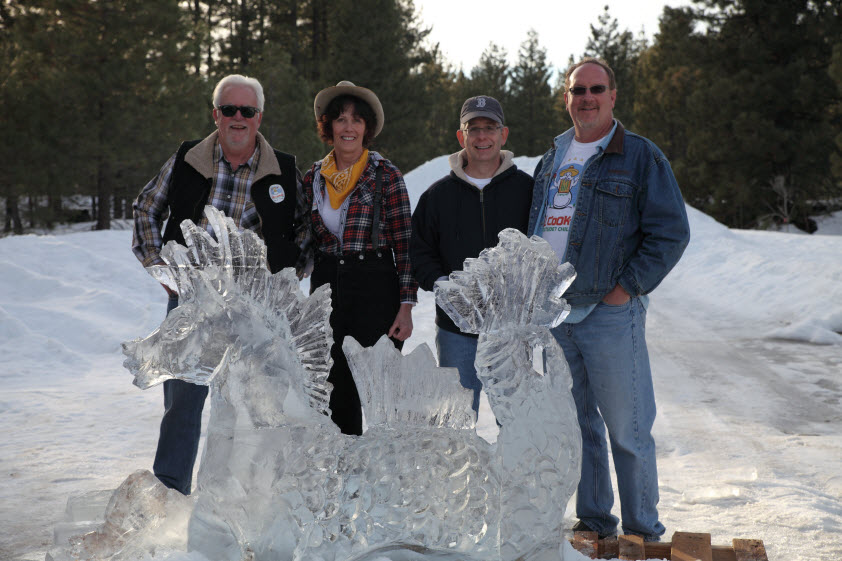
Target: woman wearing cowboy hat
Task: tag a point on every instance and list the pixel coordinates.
(359, 228)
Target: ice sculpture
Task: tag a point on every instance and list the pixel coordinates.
(278, 481)
(142, 515)
(511, 296)
(269, 463)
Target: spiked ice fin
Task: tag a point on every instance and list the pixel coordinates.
(518, 282)
(396, 389)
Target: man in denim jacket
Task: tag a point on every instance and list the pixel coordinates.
(608, 203)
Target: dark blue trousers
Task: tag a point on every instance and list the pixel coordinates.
(181, 427)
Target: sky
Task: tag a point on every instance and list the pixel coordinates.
(464, 29)
(745, 344)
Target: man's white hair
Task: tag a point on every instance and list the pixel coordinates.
(239, 80)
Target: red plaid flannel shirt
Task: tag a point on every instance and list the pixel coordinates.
(395, 220)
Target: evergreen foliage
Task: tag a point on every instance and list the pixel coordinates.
(738, 94)
(491, 75)
(621, 50)
(531, 114)
(108, 86)
(444, 92)
(666, 77)
(835, 72)
(388, 60)
(743, 96)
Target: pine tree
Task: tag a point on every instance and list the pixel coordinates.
(765, 111)
(491, 75)
(621, 50)
(559, 103)
(110, 85)
(15, 83)
(738, 94)
(389, 30)
(531, 115)
(835, 72)
(668, 74)
(288, 123)
(444, 92)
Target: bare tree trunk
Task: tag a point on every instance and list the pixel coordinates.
(13, 222)
(319, 36)
(31, 210)
(54, 204)
(118, 206)
(103, 190)
(209, 42)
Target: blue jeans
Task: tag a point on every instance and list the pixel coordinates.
(181, 427)
(460, 351)
(612, 387)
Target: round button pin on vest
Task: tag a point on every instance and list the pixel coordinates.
(276, 193)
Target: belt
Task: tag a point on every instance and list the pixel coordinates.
(381, 254)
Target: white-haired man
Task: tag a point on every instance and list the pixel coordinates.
(235, 170)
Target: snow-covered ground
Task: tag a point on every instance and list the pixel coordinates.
(745, 343)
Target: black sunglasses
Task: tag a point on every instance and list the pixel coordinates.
(231, 110)
(581, 90)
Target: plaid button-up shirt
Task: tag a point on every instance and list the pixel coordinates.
(357, 219)
(230, 193)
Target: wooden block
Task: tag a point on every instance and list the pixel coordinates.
(750, 550)
(658, 550)
(586, 543)
(723, 553)
(609, 548)
(631, 547)
(689, 546)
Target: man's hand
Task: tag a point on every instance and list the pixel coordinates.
(402, 327)
(617, 297)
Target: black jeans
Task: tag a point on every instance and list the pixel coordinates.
(366, 298)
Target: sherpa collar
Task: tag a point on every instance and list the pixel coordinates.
(200, 157)
(457, 164)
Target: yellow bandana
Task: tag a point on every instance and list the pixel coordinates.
(340, 183)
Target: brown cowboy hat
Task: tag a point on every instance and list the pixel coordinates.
(324, 97)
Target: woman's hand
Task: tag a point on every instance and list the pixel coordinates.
(402, 327)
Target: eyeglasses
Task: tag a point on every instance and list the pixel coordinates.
(475, 131)
(231, 110)
(581, 90)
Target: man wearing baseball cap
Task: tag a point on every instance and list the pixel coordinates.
(461, 214)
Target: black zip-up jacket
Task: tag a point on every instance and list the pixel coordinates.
(455, 220)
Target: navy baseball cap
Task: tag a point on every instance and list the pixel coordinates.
(481, 106)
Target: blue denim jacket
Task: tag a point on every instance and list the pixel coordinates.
(630, 224)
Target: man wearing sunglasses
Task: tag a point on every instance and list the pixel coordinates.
(608, 203)
(237, 171)
(462, 213)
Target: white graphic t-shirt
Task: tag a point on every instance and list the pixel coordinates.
(563, 189)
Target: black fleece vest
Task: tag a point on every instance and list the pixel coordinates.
(189, 194)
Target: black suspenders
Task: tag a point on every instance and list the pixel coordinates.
(378, 196)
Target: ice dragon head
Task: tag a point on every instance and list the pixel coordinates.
(230, 305)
